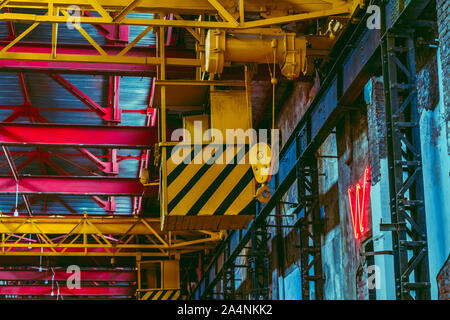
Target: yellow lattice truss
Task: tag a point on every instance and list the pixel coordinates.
(97, 236)
(129, 236)
(189, 14)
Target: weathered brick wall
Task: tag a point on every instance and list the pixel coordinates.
(351, 172)
(376, 118)
(443, 280)
(443, 15)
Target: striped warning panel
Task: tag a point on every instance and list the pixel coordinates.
(160, 294)
(206, 184)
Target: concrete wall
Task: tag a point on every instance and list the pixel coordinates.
(352, 146)
(382, 241)
(342, 266)
(436, 169)
(443, 19)
(332, 236)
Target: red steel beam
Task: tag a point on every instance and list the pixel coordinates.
(21, 154)
(124, 137)
(67, 298)
(14, 275)
(173, 71)
(73, 252)
(107, 186)
(63, 290)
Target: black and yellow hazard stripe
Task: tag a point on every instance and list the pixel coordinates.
(201, 186)
(160, 294)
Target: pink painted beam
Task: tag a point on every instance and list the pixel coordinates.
(173, 72)
(124, 137)
(63, 290)
(106, 186)
(14, 275)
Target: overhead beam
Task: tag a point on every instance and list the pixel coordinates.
(299, 10)
(25, 275)
(112, 225)
(107, 186)
(64, 290)
(82, 58)
(198, 7)
(180, 64)
(97, 236)
(127, 21)
(125, 137)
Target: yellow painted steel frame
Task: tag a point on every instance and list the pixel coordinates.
(169, 279)
(97, 236)
(228, 14)
(101, 14)
(124, 236)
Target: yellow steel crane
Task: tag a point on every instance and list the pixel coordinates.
(199, 195)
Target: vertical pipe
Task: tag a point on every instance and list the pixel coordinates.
(241, 12)
(163, 139)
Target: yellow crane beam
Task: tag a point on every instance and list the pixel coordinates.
(96, 236)
(61, 12)
(283, 11)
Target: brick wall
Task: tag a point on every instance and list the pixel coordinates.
(443, 280)
(443, 15)
(351, 173)
(376, 118)
(443, 19)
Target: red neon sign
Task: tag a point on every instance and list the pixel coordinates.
(358, 197)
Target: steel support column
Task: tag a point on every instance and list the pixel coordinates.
(259, 263)
(310, 230)
(229, 283)
(408, 218)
